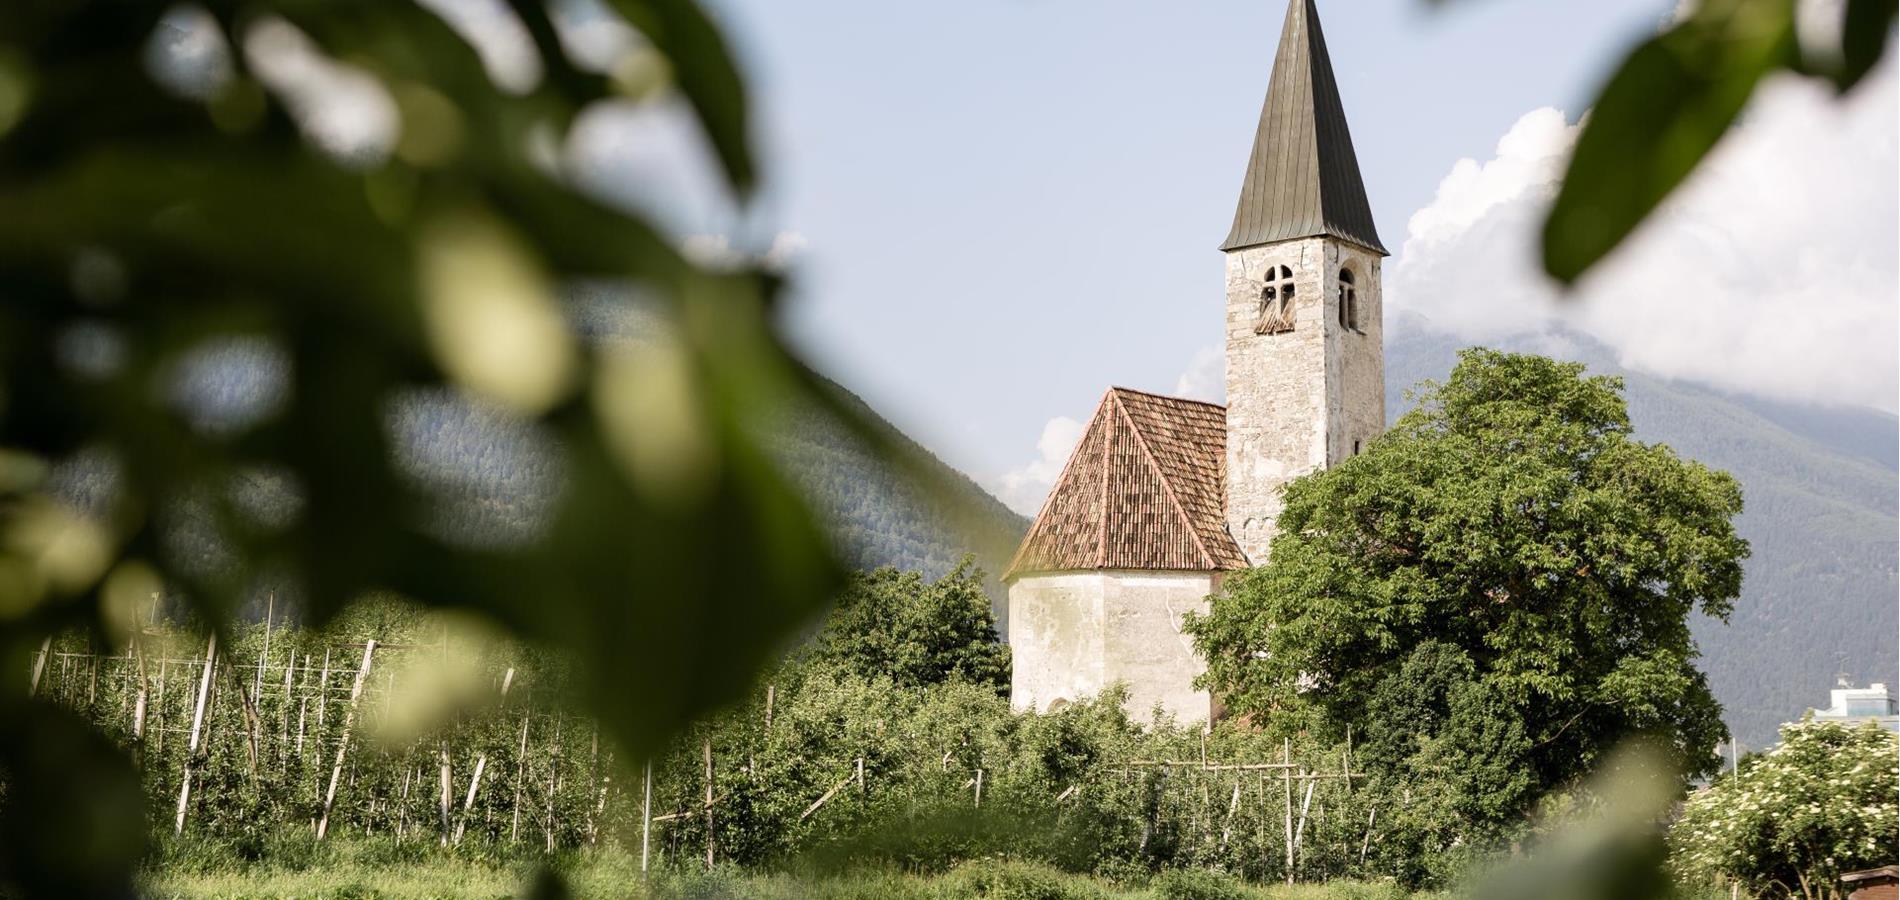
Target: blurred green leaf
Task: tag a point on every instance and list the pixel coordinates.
(1614, 850)
(1866, 27)
(140, 222)
(707, 75)
(73, 823)
(1662, 111)
(545, 884)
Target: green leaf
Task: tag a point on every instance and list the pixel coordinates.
(72, 824)
(1864, 32)
(707, 75)
(1666, 107)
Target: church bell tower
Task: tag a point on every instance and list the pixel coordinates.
(1305, 340)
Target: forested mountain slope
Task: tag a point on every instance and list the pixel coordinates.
(1819, 488)
(880, 516)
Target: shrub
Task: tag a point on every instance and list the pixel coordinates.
(992, 879)
(1792, 820)
(1197, 884)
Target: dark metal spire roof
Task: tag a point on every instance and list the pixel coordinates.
(1303, 179)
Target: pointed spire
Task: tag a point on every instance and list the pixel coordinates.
(1303, 179)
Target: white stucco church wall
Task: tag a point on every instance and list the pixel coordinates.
(1074, 634)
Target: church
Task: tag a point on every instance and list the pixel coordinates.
(1163, 496)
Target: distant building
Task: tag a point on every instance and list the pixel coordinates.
(1874, 703)
(1873, 884)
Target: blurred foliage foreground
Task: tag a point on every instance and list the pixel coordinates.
(151, 228)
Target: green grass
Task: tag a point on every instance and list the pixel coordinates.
(360, 870)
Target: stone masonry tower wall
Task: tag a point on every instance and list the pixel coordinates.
(1302, 399)
(1305, 336)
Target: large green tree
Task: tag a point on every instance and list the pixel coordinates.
(915, 632)
(1492, 596)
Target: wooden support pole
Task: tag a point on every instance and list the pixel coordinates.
(253, 739)
(521, 771)
(316, 735)
(303, 708)
(468, 802)
(554, 784)
(1299, 831)
(283, 733)
(39, 665)
(402, 804)
(1345, 768)
(1286, 781)
(646, 817)
(263, 655)
(197, 729)
(323, 693)
(1209, 767)
(979, 789)
(709, 802)
(446, 799)
(1227, 824)
(1260, 829)
(826, 796)
(481, 765)
(600, 802)
(158, 711)
(1366, 844)
(593, 778)
(138, 706)
(343, 741)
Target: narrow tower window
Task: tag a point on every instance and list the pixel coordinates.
(1348, 301)
(1276, 302)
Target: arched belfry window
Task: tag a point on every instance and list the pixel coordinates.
(1276, 302)
(1348, 301)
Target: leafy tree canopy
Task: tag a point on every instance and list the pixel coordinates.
(1794, 819)
(1496, 593)
(897, 625)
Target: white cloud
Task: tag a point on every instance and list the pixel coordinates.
(1773, 271)
(1206, 376)
(1024, 488)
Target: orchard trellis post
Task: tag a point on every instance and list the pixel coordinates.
(646, 817)
(521, 771)
(343, 740)
(197, 729)
(481, 764)
(709, 803)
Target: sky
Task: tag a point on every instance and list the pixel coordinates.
(993, 210)
(1003, 207)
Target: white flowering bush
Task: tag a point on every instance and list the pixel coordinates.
(1792, 820)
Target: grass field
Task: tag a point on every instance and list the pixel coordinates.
(363, 870)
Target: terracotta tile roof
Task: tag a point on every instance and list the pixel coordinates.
(1143, 490)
